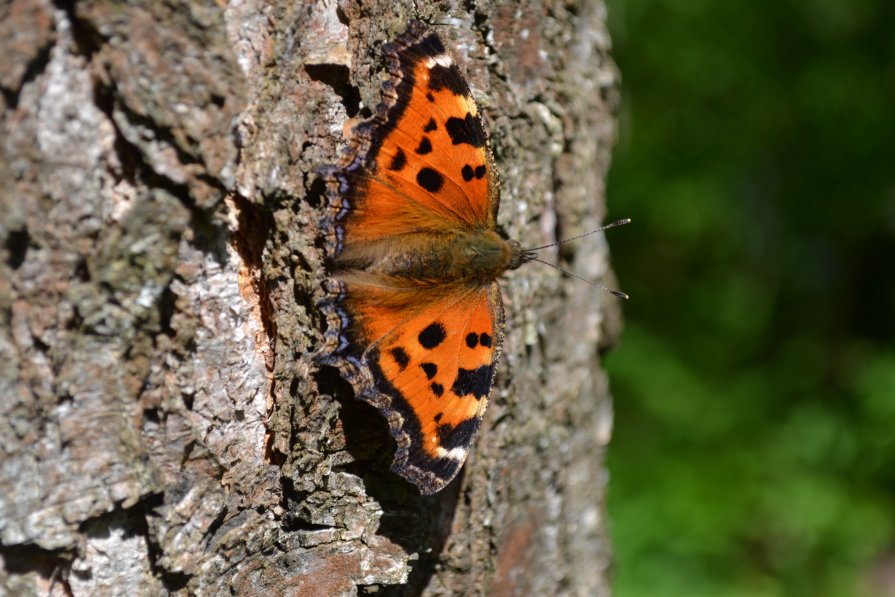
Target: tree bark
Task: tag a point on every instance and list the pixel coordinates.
(164, 425)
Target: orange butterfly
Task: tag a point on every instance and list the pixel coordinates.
(415, 314)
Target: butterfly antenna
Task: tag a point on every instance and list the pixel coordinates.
(568, 240)
(611, 291)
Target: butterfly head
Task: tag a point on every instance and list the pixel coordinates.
(519, 255)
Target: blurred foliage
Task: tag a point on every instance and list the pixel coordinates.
(754, 447)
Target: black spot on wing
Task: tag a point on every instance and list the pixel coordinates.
(399, 160)
(467, 173)
(465, 130)
(485, 339)
(447, 77)
(480, 172)
(430, 180)
(457, 436)
(430, 369)
(432, 336)
(429, 96)
(438, 417)
(437, 389)
(476, 382)
(425, 147)
(430, 126)
(472, 339)
(400, 356)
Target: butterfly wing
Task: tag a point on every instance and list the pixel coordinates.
(422, 162)
(431, 377)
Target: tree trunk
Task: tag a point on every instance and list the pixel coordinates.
(165, 427)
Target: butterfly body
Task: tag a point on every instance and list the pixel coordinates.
(414, 312)
(428, 259)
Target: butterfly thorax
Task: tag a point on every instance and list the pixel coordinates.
(474, 257)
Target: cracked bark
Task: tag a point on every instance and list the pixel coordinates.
(164, 426)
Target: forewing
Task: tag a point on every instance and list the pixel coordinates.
(422, 161)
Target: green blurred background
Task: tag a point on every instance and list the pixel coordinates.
(754, 447)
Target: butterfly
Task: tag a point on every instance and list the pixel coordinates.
(414, 313)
